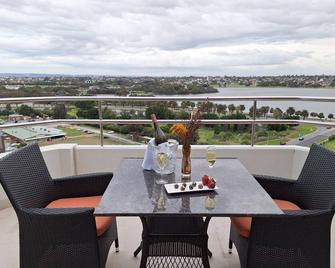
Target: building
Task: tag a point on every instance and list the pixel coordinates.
(32, 134)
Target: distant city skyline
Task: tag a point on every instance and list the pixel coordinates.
(168, 38)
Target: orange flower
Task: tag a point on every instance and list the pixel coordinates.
(179, 130)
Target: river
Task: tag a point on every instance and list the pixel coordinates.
(324, 107)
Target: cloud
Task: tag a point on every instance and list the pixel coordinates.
(159, 36)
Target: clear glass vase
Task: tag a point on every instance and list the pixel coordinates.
(186, 162)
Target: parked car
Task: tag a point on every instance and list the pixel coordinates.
(301, 138)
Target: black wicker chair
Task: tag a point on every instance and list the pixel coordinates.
(300, 238)
(52, 237)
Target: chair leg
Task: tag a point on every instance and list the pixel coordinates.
(116, 245)
(138, 250)
(230, 250)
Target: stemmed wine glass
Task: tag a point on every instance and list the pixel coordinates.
(211, 156)
(162, 160)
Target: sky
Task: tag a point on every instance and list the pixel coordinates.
(168, 37)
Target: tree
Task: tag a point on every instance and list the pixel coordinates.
(231, 108)
(251, 112)
(8, 107)
(161, 112)
(85, 105)
(290, 111)
(321, 115)
(210, 106)
(304, 114)
(59, 111)
(240, 108)
(26, 110)
(185, 104)
(264, 110)
(173, 104)
(277, 113)
(298, 113)
(313, 114)
(330, 116)
(221, 108)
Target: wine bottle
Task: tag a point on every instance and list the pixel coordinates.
(158, 132)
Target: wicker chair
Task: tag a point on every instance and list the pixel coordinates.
(300, 238)
(54, 237)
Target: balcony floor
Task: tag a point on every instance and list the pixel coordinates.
(129, 235)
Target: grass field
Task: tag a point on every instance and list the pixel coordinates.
(207, 136)
(71, 132)
(84, 140)
(329, 145)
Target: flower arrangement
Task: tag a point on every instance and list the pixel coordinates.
(187, 133)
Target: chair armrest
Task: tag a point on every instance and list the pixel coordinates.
(276, 187)
(295, 238)
(82, 185)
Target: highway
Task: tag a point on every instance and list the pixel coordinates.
(322, 133)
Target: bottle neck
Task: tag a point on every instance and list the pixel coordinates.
(154, 121)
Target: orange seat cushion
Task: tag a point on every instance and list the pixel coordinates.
(102, 223)
(243, 224)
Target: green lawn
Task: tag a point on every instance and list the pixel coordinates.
(329, 145)
(207, 136)
(302, 130)
(71, 132)
(85, 140)
(72, 113)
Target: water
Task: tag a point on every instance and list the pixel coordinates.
(324, 107)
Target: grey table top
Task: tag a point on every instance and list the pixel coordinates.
(133, 192)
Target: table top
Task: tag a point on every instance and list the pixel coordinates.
(134, 192)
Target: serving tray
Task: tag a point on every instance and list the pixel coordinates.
(170, 188)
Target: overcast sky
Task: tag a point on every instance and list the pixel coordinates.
(168, 37)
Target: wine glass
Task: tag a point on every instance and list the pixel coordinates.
(162, 160)
(211, 156)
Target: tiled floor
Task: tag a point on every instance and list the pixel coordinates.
(129, 235)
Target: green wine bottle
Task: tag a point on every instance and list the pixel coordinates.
(158, 132)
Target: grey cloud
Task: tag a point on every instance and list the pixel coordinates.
(92, 33)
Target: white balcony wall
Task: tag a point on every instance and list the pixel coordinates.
(71, 159)
(282, 161)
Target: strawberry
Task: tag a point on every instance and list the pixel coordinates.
(211, 183)
(205, 179)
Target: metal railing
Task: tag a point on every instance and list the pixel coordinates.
(101, 122)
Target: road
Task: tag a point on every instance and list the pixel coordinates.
(322, 133)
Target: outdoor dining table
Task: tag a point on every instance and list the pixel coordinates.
(175, 225)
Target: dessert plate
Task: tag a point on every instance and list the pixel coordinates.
(177, 188)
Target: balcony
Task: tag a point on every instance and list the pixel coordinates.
(72, 159)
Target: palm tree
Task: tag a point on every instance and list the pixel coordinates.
(304, 114)
(290, 111)
(231, 108)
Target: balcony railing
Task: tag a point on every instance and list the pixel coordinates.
(101, 122)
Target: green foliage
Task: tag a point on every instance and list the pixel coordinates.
(91, 113)
(210, 116)
(280, 127)
(85, 105)
(290, 111)
(59, 111)
(162, 112)
(28, 111)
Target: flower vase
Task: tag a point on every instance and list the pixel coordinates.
(186, 162)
